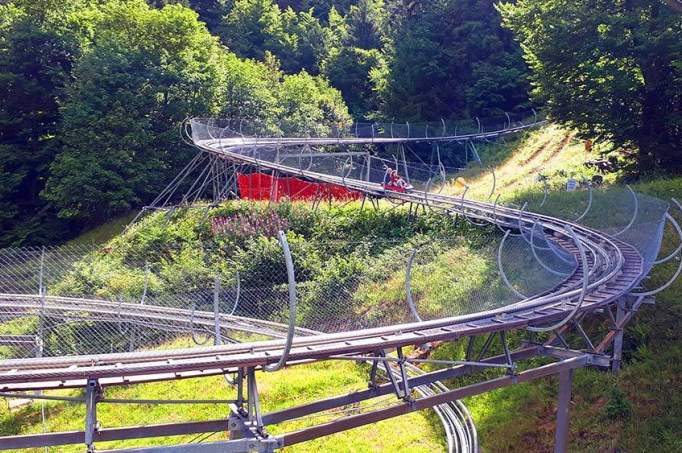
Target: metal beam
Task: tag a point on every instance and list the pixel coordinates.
(231, 446)
(618, 339)
(385, 389)
(177, 429)
(355, 421)
(563, 409)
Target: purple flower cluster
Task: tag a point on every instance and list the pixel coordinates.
(242, 226)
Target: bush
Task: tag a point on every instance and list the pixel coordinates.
(618, 407)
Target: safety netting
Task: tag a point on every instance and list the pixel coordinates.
(129, 296)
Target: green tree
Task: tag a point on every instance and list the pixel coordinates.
(250, 89)
(309, 105)
(355, 53)
(350, 70)
(439, 51)
(37, 53)
(366, 24)
(609, 68)
(211, 11)
(254, 27)
(320, 8)
(145, 71)
(308, 42)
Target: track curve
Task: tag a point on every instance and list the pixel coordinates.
(614, 268)
(608, 268)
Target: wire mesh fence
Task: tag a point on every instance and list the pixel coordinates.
(143, 292)
(284, 131)
(88, 300)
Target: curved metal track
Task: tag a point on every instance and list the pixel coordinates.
(607, 270)
(615, 267)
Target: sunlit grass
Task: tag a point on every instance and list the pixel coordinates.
(549, 151)
(419, 432)
(516, 417)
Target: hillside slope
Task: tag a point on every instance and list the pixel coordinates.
(639, 409)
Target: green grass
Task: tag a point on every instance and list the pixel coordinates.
(549, 151)
(521, 418)
(104, 232)
(416, 432)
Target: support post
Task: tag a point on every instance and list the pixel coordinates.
(41, 292)
(369, 167)
(216, 311)
(373, 372)
(234, 424)
(403, 375)
(563, 411)
(470, 349)
(92, 395)
(254, 413)
(618, 340)
(240, 388)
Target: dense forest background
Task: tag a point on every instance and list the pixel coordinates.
(92, 92)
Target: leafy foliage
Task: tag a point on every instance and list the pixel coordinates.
(450, 58)
(132, 88)
(610, 69)
(36, 57)
(355, 54)
(255, 28)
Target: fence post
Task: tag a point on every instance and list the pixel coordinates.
(563, 410)
(41, 293)
(216, 310)
(133, 332)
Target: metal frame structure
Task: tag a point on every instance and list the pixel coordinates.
(605, 278)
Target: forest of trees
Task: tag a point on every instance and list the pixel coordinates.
(92, 91)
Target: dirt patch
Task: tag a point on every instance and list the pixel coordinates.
(543, 146)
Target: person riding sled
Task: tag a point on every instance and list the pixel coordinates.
(393, 181)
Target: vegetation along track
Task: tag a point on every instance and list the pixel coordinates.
(614, 268)
(607, 269)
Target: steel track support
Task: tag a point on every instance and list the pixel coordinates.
(93, 393)
(234, 426)
(253, 409)
(391, 377)
(561, 339)
(246, 428)
(618, 340)
(373, 372)
(239, 381)
(583, 334)
(486, 345)
(403, 375)
(230, 446)
(507, 353)
(470, 349)
(563, 411)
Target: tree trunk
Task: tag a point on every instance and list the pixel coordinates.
(657, 139)
(656, 146)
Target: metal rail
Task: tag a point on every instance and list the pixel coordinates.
(607, 270)
(619, 276)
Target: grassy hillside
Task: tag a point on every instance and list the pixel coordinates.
(104, 232)
(639, 409)
(418, 432)
(549, 152)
